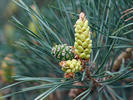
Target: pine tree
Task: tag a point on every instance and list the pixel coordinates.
(89, 66)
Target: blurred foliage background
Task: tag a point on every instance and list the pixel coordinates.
(9, 34)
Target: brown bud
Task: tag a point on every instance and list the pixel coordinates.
(62, 63)
(82, 15)
(69, 75)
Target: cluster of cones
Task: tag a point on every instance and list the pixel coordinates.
(71, 57)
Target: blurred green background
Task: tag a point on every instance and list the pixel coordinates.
(9, 34)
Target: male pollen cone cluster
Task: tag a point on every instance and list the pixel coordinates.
(70, 57)
(70, 67)
(83, 42)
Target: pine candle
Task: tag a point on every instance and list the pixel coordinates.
(83, 42)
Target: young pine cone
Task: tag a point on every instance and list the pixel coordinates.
(83, 42)
(62, 52)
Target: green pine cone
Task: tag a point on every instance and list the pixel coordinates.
(62, 52)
